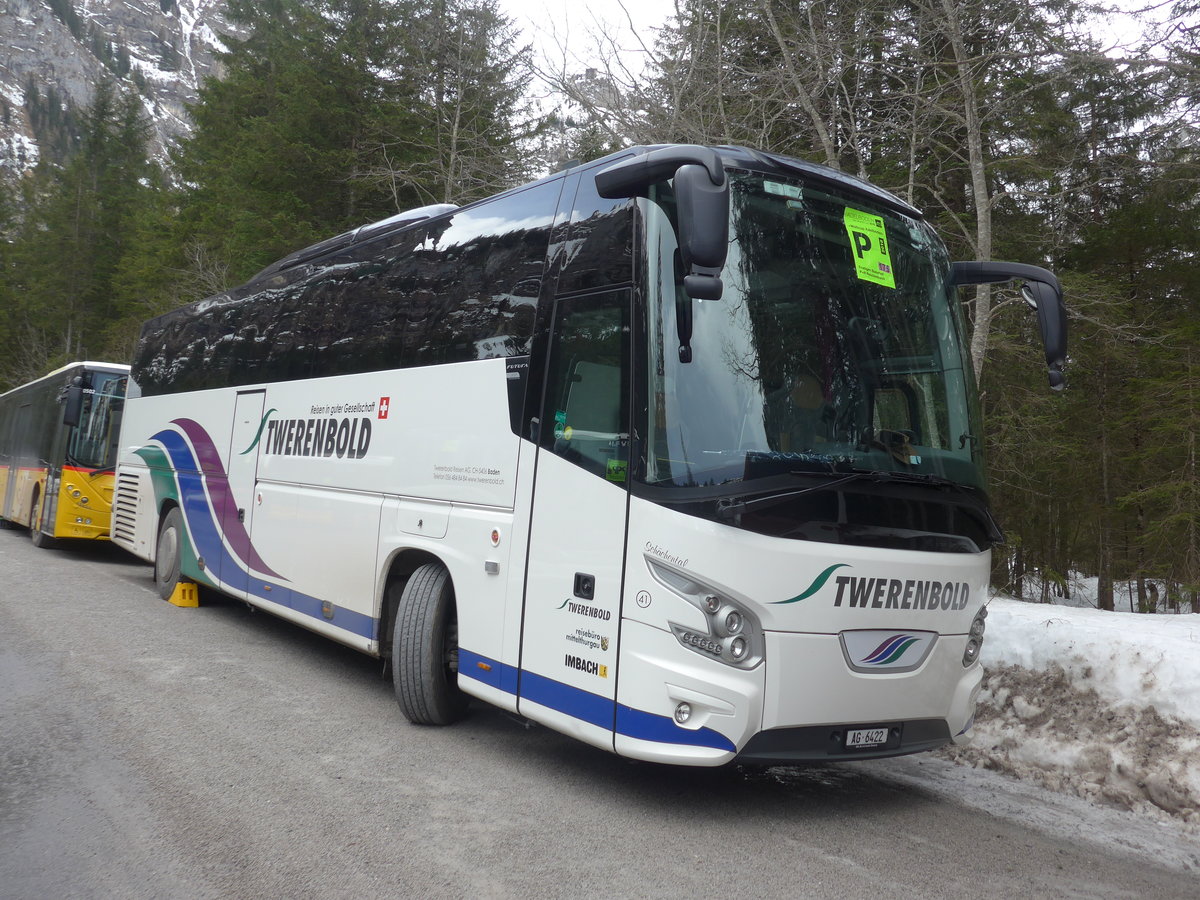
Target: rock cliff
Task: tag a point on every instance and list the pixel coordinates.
(53, 53)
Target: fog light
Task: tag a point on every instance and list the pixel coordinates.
(82, 500)
(737, 648)
(733, 622)
(712, 603)
(683, 712)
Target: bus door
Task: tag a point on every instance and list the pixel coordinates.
(575, 569)
(236, 507)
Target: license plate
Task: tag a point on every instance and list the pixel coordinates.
(866, 737)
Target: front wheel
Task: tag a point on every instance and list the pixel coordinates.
(40, 539)
(425, 649)
(167, 553)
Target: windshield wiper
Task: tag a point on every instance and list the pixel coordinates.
(733, 507)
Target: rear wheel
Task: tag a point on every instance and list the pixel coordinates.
(425, 649)
(167, 553)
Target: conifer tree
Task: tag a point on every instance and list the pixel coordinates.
(74, 228)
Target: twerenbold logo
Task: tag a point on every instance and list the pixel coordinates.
(888, 593)
(889, 651)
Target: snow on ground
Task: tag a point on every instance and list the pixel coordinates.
(1103, 705)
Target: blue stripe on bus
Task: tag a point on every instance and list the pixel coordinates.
(575, 702)
(584, 705)
(645, 726)
(345, 619)
(202, 525)
(490, 671)
(207, 540)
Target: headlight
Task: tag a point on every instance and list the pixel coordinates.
(975, 638)
(737, 648)
(733, 622)
(731, 634)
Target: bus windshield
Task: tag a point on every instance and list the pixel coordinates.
(836, 347)
(93, 442)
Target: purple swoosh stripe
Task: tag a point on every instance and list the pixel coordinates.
(885, 648)
(223, 503)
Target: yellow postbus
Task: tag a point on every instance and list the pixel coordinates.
(58, 445)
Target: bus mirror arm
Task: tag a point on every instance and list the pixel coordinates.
(1041, 291)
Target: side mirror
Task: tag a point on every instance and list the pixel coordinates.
(703, 230)
(1052, 321)
(702, 199)
(1042, 292)
(73, 407)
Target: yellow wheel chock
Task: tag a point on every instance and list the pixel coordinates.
(186, 595)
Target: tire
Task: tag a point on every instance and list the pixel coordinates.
(40, 539)
(425, 649)
(167, 553)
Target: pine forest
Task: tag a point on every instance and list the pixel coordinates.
(1022, 130)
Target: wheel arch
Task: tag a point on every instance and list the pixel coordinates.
(402, 563)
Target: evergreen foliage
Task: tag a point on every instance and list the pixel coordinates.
(64, 10)
(72, 230)
(331, 115)
(54, 121)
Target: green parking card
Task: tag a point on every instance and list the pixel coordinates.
(868, 243)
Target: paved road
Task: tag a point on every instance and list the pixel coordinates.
(150, 751)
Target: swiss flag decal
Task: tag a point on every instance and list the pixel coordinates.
(384, 403)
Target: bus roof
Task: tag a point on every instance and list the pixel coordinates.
(119, 368)
(731, 157)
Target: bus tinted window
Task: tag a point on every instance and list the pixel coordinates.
(453, 289)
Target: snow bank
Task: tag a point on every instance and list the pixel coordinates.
(1103, 705)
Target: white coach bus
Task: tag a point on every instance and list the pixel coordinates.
(676, 452)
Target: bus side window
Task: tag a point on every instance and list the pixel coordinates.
(587, 386)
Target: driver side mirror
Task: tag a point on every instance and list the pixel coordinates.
(702, 199)
(74, 402)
